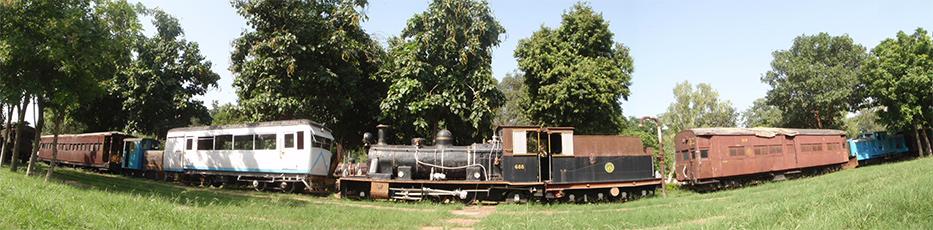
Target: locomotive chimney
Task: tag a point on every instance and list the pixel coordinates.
(443, 138)
(382, 134)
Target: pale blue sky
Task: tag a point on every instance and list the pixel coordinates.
(725, 43)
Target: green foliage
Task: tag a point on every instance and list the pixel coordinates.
(226, 114)
(814, 78)
(154, 92)
(898, 77)
(166, 74)
(516, 94)
(698, 108)
(439, 72)
(308, 60)
(761, 114)
(865, 121)
(576, 74)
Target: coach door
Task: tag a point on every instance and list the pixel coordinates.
(173, 158)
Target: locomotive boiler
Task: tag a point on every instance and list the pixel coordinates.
(442, 161)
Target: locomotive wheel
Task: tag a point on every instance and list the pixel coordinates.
(516, 197)
(468, 200)
(259, 186)
(286, 187)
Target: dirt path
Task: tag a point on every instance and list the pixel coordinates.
(465, 218)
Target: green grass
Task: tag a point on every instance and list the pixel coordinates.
(83, 200)
(896, 195)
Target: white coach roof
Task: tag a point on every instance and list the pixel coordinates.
(252, 125)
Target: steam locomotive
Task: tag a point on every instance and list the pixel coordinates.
(520, 164)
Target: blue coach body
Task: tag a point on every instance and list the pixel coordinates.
(134, 150)
(877, 145)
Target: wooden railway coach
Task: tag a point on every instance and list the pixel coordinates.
(97, 150)
(713, 155)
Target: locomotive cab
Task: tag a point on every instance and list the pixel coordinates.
(529, 152)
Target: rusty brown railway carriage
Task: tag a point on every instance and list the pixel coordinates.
(714, 155)
(101, 150)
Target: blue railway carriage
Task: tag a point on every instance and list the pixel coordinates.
(287, 155)
(134, 152)
(877, 145)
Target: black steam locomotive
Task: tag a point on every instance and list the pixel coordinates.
(519, 164)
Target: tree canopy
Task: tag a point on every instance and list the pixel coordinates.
(308, 60)
(899, 78)
(698, 108)
(813, 79)
(576, 74)
(439, 72)
(516, 94)
(761, 114)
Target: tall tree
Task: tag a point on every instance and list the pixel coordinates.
(311, 60)
(899, 78)
(225, 114)
(65, 48)
(761, 114)
(813, 81)
(439, 72)
(576, 74)
(516, 94)
(864, 121)
(156, 91)
(698, 108)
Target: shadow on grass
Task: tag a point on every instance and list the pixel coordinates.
(112, 183)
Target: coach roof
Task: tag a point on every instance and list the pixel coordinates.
(762, 132)
(253, 125)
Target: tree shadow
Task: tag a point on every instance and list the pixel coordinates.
(148, 188)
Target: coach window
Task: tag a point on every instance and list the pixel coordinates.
(243, 142)
(205, 143)
(736, 151)
(536, 141)
(555, 142)
(188, 145)
(704, 153)
(265, 141)
(224, 142)
(289, 140)
(301, 139)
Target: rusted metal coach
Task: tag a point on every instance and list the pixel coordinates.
(103, 150)
(710, 156)
(525, 164)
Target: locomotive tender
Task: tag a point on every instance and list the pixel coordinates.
(526, 163)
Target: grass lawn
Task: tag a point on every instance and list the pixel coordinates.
(895, 195)
(85, 200)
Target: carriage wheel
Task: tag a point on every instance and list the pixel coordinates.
(516, 197)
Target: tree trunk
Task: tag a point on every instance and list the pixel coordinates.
(917, 140)
(6, 133)
(19, 133)
(926, 140)
(59, 118)
(40, 124)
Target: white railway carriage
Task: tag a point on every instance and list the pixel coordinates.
(287, 154)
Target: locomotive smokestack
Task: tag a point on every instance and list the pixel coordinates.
(382, 134)
(443, 138)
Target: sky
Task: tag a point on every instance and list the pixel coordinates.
(727, 44)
